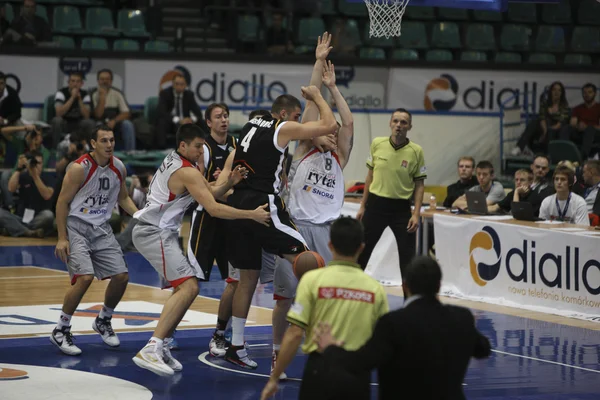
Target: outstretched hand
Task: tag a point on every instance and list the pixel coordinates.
(323, 337)
(323, 46)
(237, 175)
(262, 215)
(329, 74)
(310, 92)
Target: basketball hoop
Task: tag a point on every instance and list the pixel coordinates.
(385, 17)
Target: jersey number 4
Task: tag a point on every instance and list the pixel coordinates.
(246, 141)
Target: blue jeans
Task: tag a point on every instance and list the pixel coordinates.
(6, 198)
(15, 226)
(127, 131)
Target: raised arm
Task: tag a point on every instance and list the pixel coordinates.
(311, 112)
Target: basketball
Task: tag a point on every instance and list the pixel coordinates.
(306, 261)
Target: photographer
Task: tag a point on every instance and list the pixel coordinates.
(70, 149)
(138, 192)
(33, 217)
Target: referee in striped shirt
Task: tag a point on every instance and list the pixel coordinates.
(342, 295)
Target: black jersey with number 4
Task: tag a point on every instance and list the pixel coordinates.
(259, 152)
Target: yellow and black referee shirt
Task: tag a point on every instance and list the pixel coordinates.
(342, 295)
(395, 169)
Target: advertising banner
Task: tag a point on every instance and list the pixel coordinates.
(477, 90)
(548, 270)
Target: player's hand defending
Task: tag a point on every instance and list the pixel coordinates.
(62, 250)
(237, 175)
(323, 46)
(325, 143)
(328, 74)
(310, 92)
(261, 215)
(323, 337)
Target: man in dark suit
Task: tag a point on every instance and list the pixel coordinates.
(421, 350)
(176, 106)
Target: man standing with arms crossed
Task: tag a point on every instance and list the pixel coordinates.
(92, 186)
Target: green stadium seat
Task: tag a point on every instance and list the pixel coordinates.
(328, 7)
(480, 37)
(64, 42)
(522, 12)
(9, 12)
(405, 54)
(99, 21)
(559, 13)
(352, 32)
(561, 150)
(487, 16)
(515, 37)
(453, 14)
(126, 45)
(589, 12)
(94, 43)
(376, 41)
(372, 53)
(474, 56)
(309, 29)
(413, 36)
(578, 59)
(550, 39)
(41, 11)
(353, 9)
(131, 22)
(158, 46)
(151, 110)
(48, 112)
(586, 39)
(420, 13)
(66, 19)
(512, 58)
(445, 35)
(438, 55)
(542, 58)
(248, 28)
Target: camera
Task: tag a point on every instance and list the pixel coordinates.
(31, 160)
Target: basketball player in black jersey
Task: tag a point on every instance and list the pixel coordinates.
(217, 147)
(262, 149)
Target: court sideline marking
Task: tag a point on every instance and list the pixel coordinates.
(546, 361)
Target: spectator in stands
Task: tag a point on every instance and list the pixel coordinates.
(564, 205)
(584, 129)
(111, 108)
(466, 180)
(28, 28)
(343, 42)
(277, 38)
(176, 106)
(591, 177)
(522, 192)
(553, 116)
(493, 190)
(70, 149)
(72, 105)
(10, 104)
(33, 217)
(7, 135)
(541, 186)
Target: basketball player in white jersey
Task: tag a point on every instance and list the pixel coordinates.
(93, 184)
(176, 184)
(316, 195)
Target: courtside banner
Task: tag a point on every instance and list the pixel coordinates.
(542, 269)
(477, 90)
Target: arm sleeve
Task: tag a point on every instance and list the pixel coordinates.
(370, 163)
(581, 213)
(421, 172)
(545, 209)
(496, 193)
(481, 345)
(123, 107)
(506, 202)
(59, 98)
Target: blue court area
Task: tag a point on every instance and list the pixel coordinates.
(531, 360)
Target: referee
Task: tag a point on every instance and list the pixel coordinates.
(396, 173)
(350, 301)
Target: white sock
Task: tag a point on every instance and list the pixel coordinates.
(106, 312)
(156, 341)
(238, 325)
(276, 348)
(64, 320)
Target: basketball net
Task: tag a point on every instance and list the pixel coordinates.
(385, 17)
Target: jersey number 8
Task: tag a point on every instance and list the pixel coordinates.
(246, 141)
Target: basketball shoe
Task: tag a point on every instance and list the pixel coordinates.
(103, 326)
(239, 356)
(169, 359)
(151, 358)
(63, 339)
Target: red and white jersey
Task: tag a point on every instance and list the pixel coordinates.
(99, 193)
(163, 208)
(316, 192)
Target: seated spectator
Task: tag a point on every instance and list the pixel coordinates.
(564, 205)
(591, 177)
(578, 186)
(584, 129)
(111, 108)
(541, 187)
(466, 181)
(10, 104)
(72, 105)
(28, 28)
(522, 192)
(176, 106)
(33, 217)
(494, 191)
(553, 116)
(277, 38)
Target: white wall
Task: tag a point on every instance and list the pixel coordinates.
(444, 139)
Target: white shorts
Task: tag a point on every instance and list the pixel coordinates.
(161, 249)
(267, 271)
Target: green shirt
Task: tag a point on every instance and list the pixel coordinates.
(342, 295)
(395, 169)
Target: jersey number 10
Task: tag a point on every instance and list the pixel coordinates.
(246, 141)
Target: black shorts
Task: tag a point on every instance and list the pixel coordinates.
(207, 243)
(247, 238)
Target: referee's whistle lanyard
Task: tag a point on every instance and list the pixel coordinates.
(562, 213)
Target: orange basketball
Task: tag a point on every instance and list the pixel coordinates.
(306, 261)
